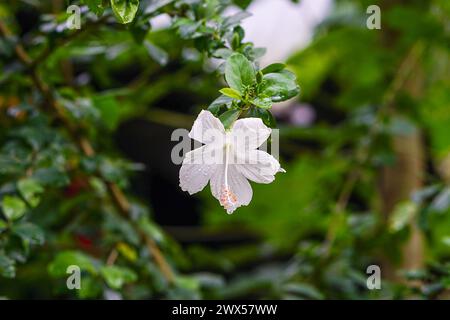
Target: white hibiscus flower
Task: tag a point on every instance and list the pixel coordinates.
(228, 159)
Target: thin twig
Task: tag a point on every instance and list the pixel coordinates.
(112, 257)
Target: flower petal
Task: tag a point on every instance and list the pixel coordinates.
(217, 181)
(196, 170)
(258, 166)
(249, 133)
(240, 186)
(207, 129)
(233, 194)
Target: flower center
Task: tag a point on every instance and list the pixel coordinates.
(228, 199)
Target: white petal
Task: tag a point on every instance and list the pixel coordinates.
(258, 166)
(240, 186)
(217, 181)
(207, 128)
(249, 133)
(237, 192)
(196, 171)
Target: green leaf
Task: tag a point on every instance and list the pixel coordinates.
(263, 102)
(273, 68)
(256, 53)
(259, 77)
(96, 6)
(268, 119)
(229, 117)
(446, 241)
(187, 28)
(216, 105)
(402, 215)
(236, 41)
(30, 190)
(116, 224)
(110, 109)
(235, 19)
(127, 251)
(151, 229)
(58, 267)
(222, 53)
(280, 86)
(13, 207)
(124, 10)
(7, 266)
(156, 53)
(29, 233)
(116, 276)
(265, 115)
(239, 72)
(230, 92)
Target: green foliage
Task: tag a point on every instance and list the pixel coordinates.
(273, 68)
(13, 208)
(95, 6)
(58, 267)
(124, 10)
(30, 191)
(279, 86)
(232, 93)
(116, 276)
(253, 90)
(239, 73)
(309, 235)
(229, 117)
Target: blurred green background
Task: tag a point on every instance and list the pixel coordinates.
(366, 147)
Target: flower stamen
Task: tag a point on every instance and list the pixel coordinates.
(228, 199)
